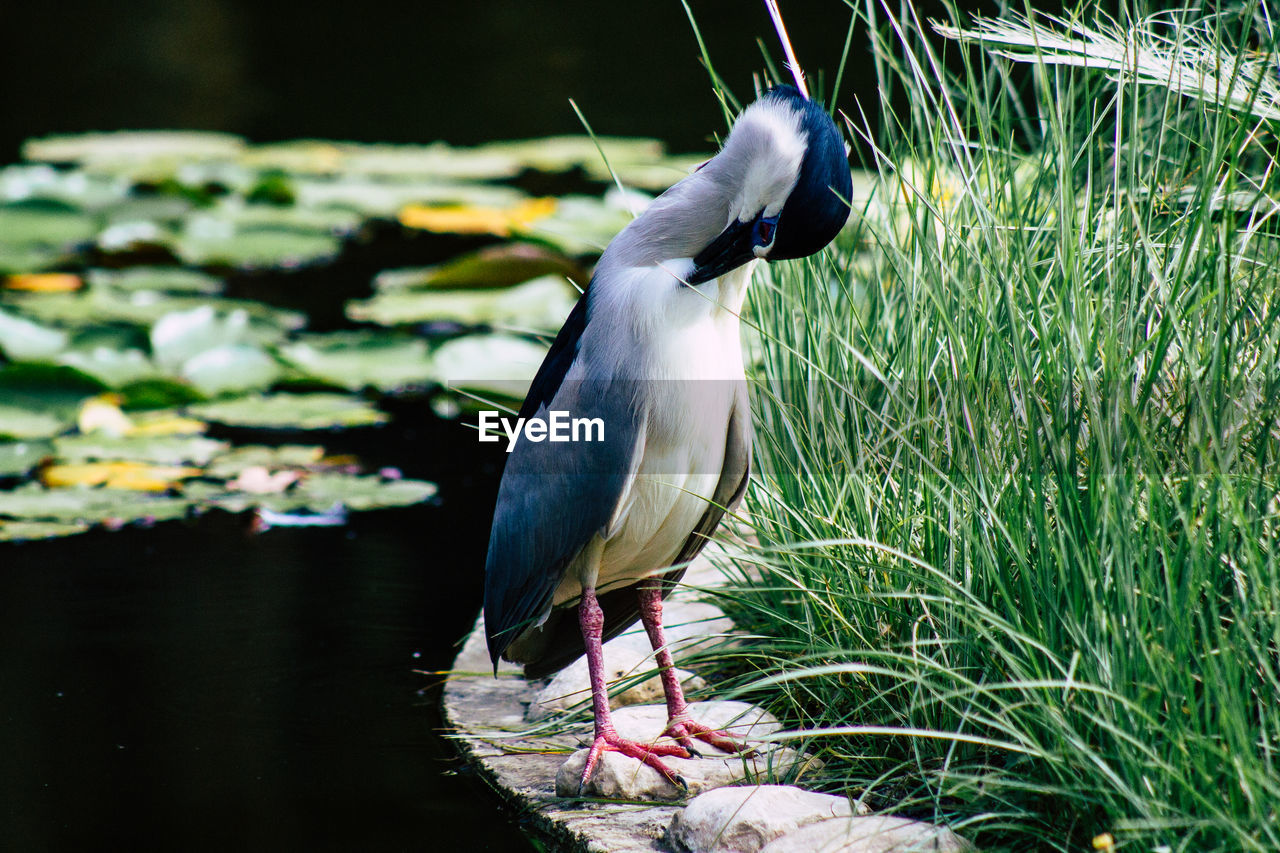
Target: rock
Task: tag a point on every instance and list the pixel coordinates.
(744, 820)
(619, 777)
(688, 626)
(624, 657)
(878, 834)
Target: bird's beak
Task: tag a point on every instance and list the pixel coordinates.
(733, 248)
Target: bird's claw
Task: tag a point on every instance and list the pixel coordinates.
(645, 753)
(684, 730)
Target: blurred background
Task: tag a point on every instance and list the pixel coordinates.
(393, 72)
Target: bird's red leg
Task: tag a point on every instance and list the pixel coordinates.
(591, 618)
(680, 725)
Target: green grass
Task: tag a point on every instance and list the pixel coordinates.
(1016, 449)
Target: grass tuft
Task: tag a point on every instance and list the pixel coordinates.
(1017, 438)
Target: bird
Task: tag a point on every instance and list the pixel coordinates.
(605, 529)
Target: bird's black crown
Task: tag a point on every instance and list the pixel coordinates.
(818, 206)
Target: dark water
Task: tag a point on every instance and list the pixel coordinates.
(198, 687)
(379, 70)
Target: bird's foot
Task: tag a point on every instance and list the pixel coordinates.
(645, 753)
(684, 729)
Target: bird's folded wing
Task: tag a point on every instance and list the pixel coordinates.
(621, 605)
(555, 496)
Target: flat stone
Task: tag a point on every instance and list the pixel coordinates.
(625, 657)
(621, 777)
(744, 820)
(876, 834)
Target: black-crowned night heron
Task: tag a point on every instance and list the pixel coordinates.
(652, 350)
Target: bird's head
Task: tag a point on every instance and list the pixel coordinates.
(790, 184)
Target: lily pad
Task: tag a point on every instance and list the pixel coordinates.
(130, 475)
(502, 365)
(291, 411)
(562, 153)
(34, 502)
(210, 241)
(114, 368)
(164, 422)
(321, 493)
(383, 197)
(656, 175)
(435, 161)
(477, 219)
(134, 235)
(160, 450)
(29, 258)
(356, 360)
(24, 340)
(75, 188)
(169, 279)
(215, 352)
(52, 388)
(44, 282)
(299, 156)
(129, 148)
(329, 221)
(18, 423)
(361, 492)
(181, 335)
(233, 462)
(158, 394)
(495, 266)
(583, 224)
(19, 457)
(41, 223)
(97, 305)
(235, 368)
(542, 303)
(26, 531)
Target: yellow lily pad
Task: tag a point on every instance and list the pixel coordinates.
(131, 476)
(166, 423)
(44, 282)
(494, 266)
(468, 219)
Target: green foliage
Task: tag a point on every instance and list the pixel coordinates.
(1017, 494)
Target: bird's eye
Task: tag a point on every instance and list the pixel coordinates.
(764, 230)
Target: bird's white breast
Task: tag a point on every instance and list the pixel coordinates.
(690, 343)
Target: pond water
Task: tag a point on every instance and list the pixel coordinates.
(381, 71)
(196, 686)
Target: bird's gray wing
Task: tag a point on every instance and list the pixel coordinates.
(621, 605)
(555, 496)
(734, 475)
